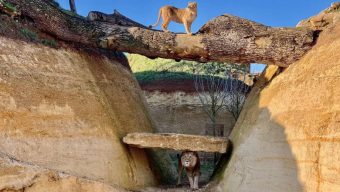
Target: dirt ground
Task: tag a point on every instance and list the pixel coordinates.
(205, 188)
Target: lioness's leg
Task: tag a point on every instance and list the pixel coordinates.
(186, 26)
(189, 26)
(165, 25)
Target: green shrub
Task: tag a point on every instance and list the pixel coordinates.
(147, 70)
(152, 76)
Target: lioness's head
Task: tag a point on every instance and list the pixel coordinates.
(189, 159)
(192, 5)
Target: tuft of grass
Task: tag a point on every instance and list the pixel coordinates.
(68, 12)
(55, 3)
(49, 42)
(8, 6)
(31, 35)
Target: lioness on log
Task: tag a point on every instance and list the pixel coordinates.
(185, 16)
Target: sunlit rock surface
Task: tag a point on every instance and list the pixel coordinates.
(324, 19)
(67, 110)
(288, 135)
(17, 176)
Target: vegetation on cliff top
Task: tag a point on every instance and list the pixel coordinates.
(152, 70)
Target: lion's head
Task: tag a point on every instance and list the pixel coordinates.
(189, 159)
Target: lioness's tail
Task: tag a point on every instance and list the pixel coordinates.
(159, 18)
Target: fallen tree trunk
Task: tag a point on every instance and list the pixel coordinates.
(226, 38)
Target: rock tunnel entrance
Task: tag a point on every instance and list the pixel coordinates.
(184, 142)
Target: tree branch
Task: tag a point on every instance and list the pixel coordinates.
(226, 38)
(116, 19)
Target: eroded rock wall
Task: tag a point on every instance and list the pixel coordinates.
(17, 176)
(288, 135)
(67, 110)
(181, 112)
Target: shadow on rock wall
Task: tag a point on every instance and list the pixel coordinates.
(262, 159)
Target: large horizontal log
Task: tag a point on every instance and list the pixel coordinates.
(226, 38)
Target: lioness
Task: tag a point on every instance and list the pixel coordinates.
(191, 162)
(185, 16)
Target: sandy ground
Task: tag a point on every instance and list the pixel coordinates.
(206, 188)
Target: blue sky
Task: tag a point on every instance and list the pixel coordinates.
(276, 13)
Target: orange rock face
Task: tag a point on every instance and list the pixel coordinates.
(67, 110)
(326, 18)
(288, 135)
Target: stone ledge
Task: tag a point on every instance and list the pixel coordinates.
(179, 142)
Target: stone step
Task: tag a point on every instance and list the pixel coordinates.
(179, 142)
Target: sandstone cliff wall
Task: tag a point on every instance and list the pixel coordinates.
(288, 135)
(67, 110)
(180, 112)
